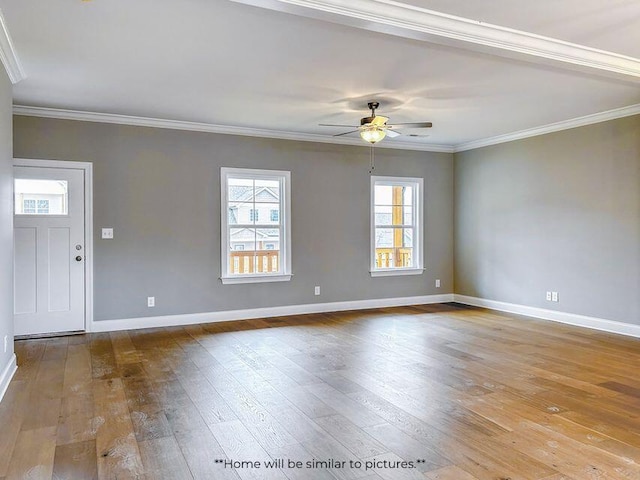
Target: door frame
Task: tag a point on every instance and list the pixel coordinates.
(87, 167)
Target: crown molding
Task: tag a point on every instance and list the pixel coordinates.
(551, 128)
(8, 54)
(396, 18)
(307, 137)
(213, 128)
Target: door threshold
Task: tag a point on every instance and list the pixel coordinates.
(48, 335)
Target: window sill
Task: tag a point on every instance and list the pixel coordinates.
(255, 279)
(391, 272)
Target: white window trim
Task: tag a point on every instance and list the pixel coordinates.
(284, 177)
(418, 217)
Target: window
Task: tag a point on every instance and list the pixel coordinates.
(40, 197)
(33, 206)
(43, 206)
(28, 206)
(254, 251)
(396, 226)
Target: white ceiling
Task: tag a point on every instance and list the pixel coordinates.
(231, 64)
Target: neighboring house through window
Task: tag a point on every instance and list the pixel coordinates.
(256, 231)
(35, 206)
(396, 226)
(29, 206)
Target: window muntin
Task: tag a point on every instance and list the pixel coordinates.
(255, 242)
(396, 225)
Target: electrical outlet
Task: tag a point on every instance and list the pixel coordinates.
(437, 283)
(316, 291)
(151, 301)
(107, 233)
(548, 296)
(554, 297)
(6, 343)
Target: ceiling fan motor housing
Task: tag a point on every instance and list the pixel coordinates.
(365, 120)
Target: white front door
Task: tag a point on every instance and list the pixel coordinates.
(49, 246)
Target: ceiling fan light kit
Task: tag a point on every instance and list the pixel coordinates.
(372, 133)
(374, 128)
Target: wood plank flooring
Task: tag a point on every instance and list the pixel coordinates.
(456, 393)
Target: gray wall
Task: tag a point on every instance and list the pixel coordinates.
(160, 191)
(6, 220)
(558, 212)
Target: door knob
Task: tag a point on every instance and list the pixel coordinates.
(78, 258)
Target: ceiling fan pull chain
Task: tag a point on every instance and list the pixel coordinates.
(372, 162)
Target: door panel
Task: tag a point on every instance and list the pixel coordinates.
(25, 270)
(59, 269)
(49, 233)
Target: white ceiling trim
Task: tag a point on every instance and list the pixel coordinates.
(551, 128)
(8, 54)
(307, 137)
(396, 18)
(213, 128)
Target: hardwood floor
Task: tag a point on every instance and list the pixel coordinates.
(457, 393)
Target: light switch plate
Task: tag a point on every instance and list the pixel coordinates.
(107, 233)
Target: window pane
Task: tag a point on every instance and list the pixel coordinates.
(240, 190)
(384, 237)
(407, 237)
(267, 191)
(268, 236)
(242, 246)
(407, 196)
(237, 213)
(383, 195)
(268, 251)
(407, 216)
(41, 197)
(404, 257)
(242, 239)
(383, 215)
(271, 213)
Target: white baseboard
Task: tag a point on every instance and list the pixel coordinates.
(7, 374)
(553, 315)
(224, 316)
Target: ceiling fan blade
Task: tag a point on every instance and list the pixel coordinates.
(393, 133)
(345, 133)
(379, 120)
(334, 125)
(412, 125)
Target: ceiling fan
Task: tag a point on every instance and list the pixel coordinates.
(375, 127)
